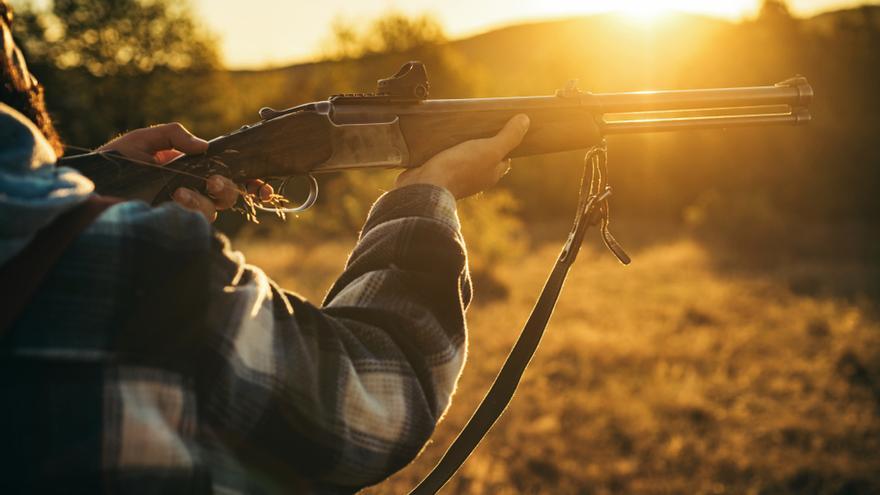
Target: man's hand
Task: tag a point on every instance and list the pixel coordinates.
(162, 143)
(472, 166)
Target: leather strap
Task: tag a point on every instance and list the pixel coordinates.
(22, 275)
(592, 208)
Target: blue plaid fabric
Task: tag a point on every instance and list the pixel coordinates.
(153, 359)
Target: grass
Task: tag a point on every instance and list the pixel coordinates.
(690, 371)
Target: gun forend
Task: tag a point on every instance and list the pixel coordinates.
(650, 111)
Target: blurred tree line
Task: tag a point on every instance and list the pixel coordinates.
(115, 65)
(109, 66)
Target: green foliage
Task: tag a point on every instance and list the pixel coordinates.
(751, 218)
(344, 203)
(394, 32)
(774, 11)
(492, 229)
(111, 66)
(116, 37)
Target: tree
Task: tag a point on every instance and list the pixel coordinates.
(125, 37)
(775, 12)
(114, 65)
(392, 33)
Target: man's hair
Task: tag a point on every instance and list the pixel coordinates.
(18, 87)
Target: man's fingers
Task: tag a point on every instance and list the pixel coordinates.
(502, 168)
(164, 156)
(223, 191)
(141, 156)
(157, 144)
(173, 136)
(266, 192)
(511, 134)
(194, 201)
(260, 188)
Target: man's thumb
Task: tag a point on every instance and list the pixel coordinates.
(175, 136)
(512, 133)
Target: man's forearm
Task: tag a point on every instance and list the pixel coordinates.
(349, 392)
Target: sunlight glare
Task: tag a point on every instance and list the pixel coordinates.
(643, 11)
(647, 11)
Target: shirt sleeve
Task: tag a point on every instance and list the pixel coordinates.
(348, 392)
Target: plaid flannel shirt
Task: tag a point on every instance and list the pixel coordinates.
(153, 359)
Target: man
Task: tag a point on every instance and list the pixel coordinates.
(152, 359)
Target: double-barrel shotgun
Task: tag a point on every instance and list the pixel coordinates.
(399, 126)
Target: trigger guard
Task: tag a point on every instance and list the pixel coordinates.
(308, 203)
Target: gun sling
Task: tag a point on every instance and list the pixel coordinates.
(592, 209)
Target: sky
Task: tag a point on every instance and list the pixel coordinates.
(280, 32)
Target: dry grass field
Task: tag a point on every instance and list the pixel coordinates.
(689, 371)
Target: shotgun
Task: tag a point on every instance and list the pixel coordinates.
(398, 126)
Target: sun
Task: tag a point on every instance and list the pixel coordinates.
(645, 9)
(641, 10)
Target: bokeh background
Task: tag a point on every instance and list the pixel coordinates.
(739, 353)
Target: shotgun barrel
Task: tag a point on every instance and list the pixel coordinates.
(560, 122)
(794, 92)
(784, 103)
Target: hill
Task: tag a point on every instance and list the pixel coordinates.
(511, 52)
(764, 172)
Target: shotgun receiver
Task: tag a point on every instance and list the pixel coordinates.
(398, 126)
